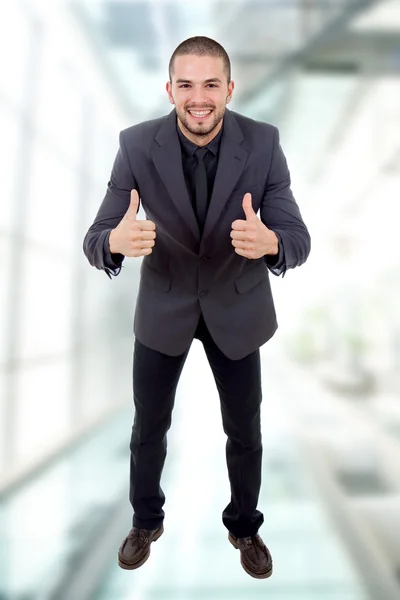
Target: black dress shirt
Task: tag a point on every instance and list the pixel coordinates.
(189, 162)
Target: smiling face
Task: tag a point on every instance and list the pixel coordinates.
(200, 92)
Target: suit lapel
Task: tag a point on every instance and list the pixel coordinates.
(166, 154)
(167, 157)
(231, 162)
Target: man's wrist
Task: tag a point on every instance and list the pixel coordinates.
(111, 241)
(273, 249)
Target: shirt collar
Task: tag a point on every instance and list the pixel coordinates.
(190, 148)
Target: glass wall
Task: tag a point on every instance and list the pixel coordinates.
(60, 123)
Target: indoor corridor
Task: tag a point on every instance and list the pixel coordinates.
(73, 75)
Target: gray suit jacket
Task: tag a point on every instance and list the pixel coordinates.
(187, 274)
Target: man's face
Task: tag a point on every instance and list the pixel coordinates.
(199, 83)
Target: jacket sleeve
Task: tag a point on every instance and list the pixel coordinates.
(112, 209)
(112, 262)
(280, 212)
(275, 263)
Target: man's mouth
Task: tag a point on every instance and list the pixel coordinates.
(200, 114)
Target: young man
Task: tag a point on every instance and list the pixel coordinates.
(202, 173)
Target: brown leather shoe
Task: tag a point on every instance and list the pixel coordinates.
(254, 555)
(135, 549)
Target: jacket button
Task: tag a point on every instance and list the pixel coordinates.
(204, 259)
(203, 294)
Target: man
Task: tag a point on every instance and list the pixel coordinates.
(202, 174)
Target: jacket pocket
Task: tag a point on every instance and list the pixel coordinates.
(250, 279)
(154, 278)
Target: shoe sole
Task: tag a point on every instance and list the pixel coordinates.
(246, 568)
(131, 567)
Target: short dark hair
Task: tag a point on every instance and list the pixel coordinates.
(201, 46)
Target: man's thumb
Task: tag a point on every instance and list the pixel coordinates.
(133, 206)
(248, 207)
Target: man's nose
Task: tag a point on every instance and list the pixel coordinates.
(199, 97)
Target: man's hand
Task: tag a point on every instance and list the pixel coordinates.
(132, 237)
(251, 238)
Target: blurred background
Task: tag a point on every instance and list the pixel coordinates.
(72, 75)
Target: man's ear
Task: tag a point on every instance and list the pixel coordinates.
(168, 88)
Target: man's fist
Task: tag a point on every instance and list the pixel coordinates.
(250, 237)
(132, 237)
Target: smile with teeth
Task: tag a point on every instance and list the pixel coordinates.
(200, 113)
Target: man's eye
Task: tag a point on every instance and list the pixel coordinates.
(186, 84)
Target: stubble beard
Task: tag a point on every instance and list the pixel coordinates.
(201, 130)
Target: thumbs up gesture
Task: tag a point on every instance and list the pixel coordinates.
(250, 237)
(133, 237)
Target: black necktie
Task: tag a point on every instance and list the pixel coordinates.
(200, 177)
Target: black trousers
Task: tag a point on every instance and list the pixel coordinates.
(155, 379)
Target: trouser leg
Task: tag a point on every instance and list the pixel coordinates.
(239, 387)
(155, 379)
